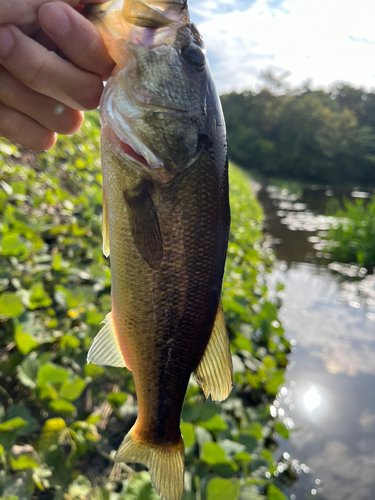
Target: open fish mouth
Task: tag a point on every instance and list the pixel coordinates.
(119, 109)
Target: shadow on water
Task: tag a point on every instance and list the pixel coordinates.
(331, 373)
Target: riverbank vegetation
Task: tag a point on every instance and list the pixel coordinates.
(62, 420)
(352, 238)
(304, 134)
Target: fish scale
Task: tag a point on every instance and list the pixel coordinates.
(165, 224)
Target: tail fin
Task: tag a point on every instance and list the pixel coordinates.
(165, 462)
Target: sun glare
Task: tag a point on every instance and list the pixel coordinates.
(312, 399)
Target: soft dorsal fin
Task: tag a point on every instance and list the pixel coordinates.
(105, 349)
(214, 373)
(105, 229)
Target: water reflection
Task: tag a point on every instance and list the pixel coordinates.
(328, 399)
(312, 399)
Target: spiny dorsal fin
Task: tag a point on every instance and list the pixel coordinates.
(214, 373)
(166, 463)
(105, 230)
(105, 349)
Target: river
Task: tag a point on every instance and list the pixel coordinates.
(328, 313)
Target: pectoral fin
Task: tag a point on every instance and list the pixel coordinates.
(105, 349)
(144, 224)
(105, 231)
(214, 373)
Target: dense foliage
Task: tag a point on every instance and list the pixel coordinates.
(62, 420)
(352, 238)
(304, 134)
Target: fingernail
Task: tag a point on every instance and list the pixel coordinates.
(54, 19)
(6, 42)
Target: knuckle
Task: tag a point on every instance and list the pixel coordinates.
(90, 54)
(35, 77)
(6, 86)
(92, 99)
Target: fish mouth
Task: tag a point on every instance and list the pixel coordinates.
(119, 108)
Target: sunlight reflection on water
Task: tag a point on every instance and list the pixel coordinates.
(329, 314)
(312, 399)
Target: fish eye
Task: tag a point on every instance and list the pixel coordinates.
(193, 55)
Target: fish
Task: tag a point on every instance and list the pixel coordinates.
(166, 221)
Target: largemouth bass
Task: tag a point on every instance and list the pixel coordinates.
(165, 224)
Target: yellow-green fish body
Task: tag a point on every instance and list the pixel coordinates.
(165, 224)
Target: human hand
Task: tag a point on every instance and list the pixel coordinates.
(53, 63)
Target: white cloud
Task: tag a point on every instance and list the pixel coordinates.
(326, 40)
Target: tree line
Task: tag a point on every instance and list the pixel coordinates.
(310, 135)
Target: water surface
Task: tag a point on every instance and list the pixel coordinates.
(328, 400)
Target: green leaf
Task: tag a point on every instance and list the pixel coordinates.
(223, 489)
(242, 456)
(47, 391)
(117, 398)
(255, 429)
(140, 488)
(282, 430)
(80, 488)
(23, 412)
(13, 424)
(13, 244)
(54, 425)
(72, 389)
(39, 297)
(23, 462)
(51, 433)
(99, 494)
(277, 379)
(28, 371)
(215, 424)
(273, 493)
(251, 492)
(25, 342)
(62, 407)
(213, 454)
(10, 305)
(52, 374)
(31, 331)
(19, 485)
(68, 341)
(187, 431)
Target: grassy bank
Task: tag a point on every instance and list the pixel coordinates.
(61, 420)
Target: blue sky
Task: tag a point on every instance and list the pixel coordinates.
(322, 40)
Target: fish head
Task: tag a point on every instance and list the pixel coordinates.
(161, 100)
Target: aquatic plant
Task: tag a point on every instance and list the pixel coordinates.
(352, 237)
(61, 420)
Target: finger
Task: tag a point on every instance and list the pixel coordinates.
(19, 128)
(46, 111)
(76, 37)
(43, 39)
(23, 12)
(46, 72)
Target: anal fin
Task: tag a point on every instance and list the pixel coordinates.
(214, 373)
(105, 229)
(105, 349)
